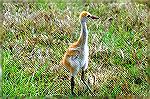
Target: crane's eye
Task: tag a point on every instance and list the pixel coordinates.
(88, 16)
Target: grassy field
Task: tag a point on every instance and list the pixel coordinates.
(36, 35)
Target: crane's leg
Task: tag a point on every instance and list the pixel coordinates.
(72, 85)
(72, 80)
(82, 78)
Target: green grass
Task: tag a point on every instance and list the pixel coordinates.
(33, 47)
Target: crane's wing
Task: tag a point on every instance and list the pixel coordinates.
(73, 51)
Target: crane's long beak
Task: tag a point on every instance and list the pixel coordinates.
(93, 17)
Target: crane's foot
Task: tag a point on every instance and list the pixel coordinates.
(73, 94)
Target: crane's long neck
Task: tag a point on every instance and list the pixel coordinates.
(84, 33)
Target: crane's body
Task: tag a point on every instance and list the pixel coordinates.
(76, 56)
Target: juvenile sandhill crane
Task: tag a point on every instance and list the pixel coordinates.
(76, 56)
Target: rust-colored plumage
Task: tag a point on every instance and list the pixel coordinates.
(69, 53)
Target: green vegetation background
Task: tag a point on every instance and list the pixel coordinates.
(36, 35)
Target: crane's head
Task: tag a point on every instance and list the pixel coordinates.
(84, 15)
